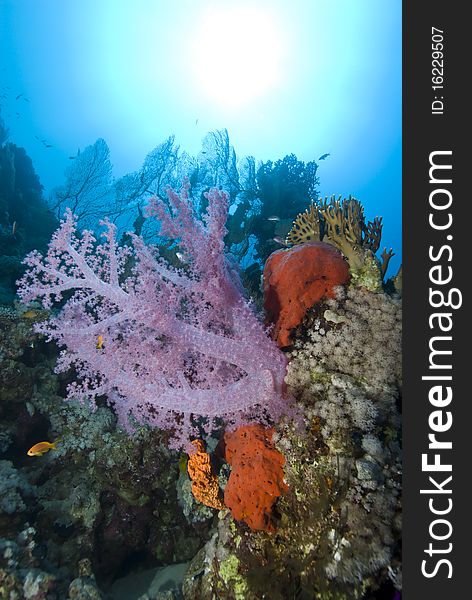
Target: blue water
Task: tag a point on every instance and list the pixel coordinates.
(308, 78)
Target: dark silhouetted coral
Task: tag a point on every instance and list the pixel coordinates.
(25, 220)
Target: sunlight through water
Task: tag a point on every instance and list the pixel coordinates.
(236, 54)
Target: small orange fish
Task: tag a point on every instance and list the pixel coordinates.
(99, 345)
(41, 448)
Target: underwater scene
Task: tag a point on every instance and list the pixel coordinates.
(200, 300)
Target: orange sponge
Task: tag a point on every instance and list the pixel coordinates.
(204, 482)
(257, 476)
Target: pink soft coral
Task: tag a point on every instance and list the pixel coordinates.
(180, 348)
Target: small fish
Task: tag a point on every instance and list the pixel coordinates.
(273, 218)
(71, 157)
(13, 228)
(99, 345)
(41, 448)
(278, 240)
(324, 156)
(18, 97)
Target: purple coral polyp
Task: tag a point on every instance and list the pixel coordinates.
(177, 345)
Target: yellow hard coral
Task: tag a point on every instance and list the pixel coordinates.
(306, 227)
(341, 223)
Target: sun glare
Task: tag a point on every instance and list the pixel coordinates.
(236, 54)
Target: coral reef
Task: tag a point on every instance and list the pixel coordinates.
(13, 487)
(296, 279)
(176, 343)
(314, 510)
(84, 587)
(20, 574)
(338, 535)
(100, 495)
(372, 320)
(108, 497)
(257, 476)
(193, 510)
(215, 571)
(25, 220)
(348, 376)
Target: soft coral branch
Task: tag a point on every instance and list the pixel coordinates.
(178, 345)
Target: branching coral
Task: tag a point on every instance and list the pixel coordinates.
(342, 224)
(176, 345)
(306, 227)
